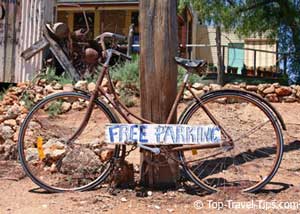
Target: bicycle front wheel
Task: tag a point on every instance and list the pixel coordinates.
(46, 153)
(257, 140)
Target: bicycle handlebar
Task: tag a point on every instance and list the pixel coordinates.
(100, 40)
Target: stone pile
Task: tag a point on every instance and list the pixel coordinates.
(16, 103)
(271, 92)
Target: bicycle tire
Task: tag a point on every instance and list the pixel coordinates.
(218, 179)
(30, 155)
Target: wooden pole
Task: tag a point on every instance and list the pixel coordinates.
(220, 79)
(158, 78)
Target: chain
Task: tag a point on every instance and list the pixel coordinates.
(127, 153)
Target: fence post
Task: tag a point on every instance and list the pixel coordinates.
(254, 64)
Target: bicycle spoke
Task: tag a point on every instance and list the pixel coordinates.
(250, 159)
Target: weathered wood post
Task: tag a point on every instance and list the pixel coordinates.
(158, 75)
(220, 78)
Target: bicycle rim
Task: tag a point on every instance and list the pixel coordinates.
(257, 137)
(47, 157)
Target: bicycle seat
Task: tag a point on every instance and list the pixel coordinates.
(188, 63)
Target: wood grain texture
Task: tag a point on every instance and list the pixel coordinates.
(158, 78)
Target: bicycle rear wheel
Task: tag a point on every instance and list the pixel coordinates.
(47, 156)
(258, 143)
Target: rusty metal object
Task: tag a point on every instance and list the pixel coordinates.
(91, 56)
(59, 29)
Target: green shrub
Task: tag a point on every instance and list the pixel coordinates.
(193, 78)
(2, 94)
(128, 72)
(28, 100)
(50, 76)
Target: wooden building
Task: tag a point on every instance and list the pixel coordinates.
(115, 16)
(237, 51)
(20, 27)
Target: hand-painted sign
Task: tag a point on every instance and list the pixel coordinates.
(162, 134)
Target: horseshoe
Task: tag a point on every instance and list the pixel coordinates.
(2, 12)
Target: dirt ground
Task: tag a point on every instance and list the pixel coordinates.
(19, 195)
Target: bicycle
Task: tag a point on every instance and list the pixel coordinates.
(62, 148)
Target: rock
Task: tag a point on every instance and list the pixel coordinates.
(80, 160)
(23, 110)
(123, 199)
(276, 85)
(81, 85)
(289, 99)
(6, 132)
(272, 98)
(119, 84)
(156, 207)
(32, 154)
(198, 86)
(16, 135)
(187, 95)
(48, 89)
(53, 168)
(106, 154)
(77, 106)
(20, 119)
(91, 87)
(34, 126)
(13, 112)
(232, 86)
(252, 88)
(65, 107)
(11, 151)
(262, 87)
(38, 97)
(298, 93)
(21, 85)
(243, 85)
(206, 88)
(198, 93)
(38, 89)
(2, 150)
(104, 82)
(54, 144)
(42, 82)
(68, 88)
(58, 86)
(283, 91)
(54, 149)
(215, 87)
(12, 123)
(149, 193)
(269, 90)
(170, 210)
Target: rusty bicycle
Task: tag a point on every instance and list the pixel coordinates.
(62, 144)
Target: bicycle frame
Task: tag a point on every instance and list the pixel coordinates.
(117, 104)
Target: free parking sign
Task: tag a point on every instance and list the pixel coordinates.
(162, 134)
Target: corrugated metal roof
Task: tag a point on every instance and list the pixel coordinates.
(99, 2)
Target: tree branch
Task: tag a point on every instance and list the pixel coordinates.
(256, 5)
(231, 2)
